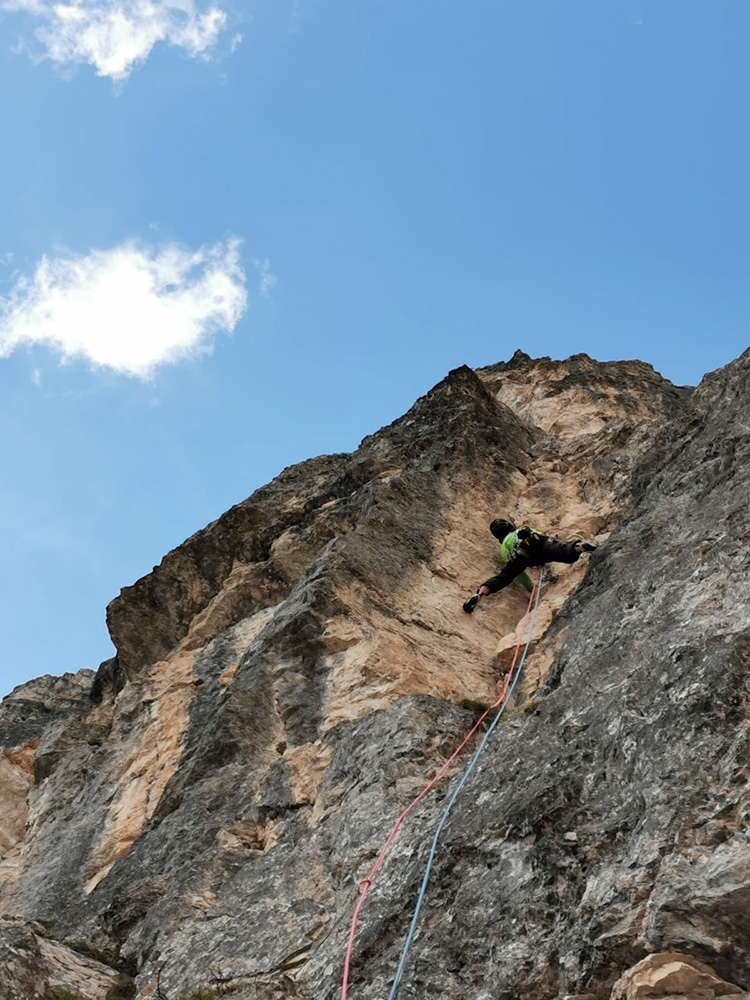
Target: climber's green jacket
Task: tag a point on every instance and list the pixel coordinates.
(508, 546)
(511, 542)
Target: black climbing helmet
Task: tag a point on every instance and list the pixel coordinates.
(501, 528)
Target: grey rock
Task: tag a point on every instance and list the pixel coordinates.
(21, 975)
(287, 678)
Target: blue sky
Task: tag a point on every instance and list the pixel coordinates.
(236, 236)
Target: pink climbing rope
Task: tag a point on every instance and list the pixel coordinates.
(367, 882)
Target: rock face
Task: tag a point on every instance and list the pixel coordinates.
(201, 812)
(672, 975)
(35, 968)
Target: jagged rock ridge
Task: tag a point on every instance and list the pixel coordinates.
(287, 677)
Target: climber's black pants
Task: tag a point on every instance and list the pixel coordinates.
(549, 551)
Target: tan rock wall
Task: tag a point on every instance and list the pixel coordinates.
(16, 777)
(150, 755)
(329, 596)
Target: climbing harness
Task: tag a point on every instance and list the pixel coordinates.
(510, 681)
(462, 782)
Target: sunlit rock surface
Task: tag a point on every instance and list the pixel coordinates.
(201, 812)
(668, 974)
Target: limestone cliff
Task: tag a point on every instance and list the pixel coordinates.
(199, 814)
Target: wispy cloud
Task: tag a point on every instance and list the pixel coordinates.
(116, 35)
(130, 309)
(266, 280)
(295, 17)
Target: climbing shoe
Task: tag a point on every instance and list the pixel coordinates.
(471, 603)
(588, 547)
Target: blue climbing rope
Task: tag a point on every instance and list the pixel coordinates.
(462, 782)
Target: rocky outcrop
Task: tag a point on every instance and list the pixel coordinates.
(673, 975)
(35, 968)
(287, 678)
(21, 967)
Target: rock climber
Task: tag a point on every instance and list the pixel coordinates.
(521, 548)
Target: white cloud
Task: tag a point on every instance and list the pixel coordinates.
(130, 309)
(266, 280)
(115, 35)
